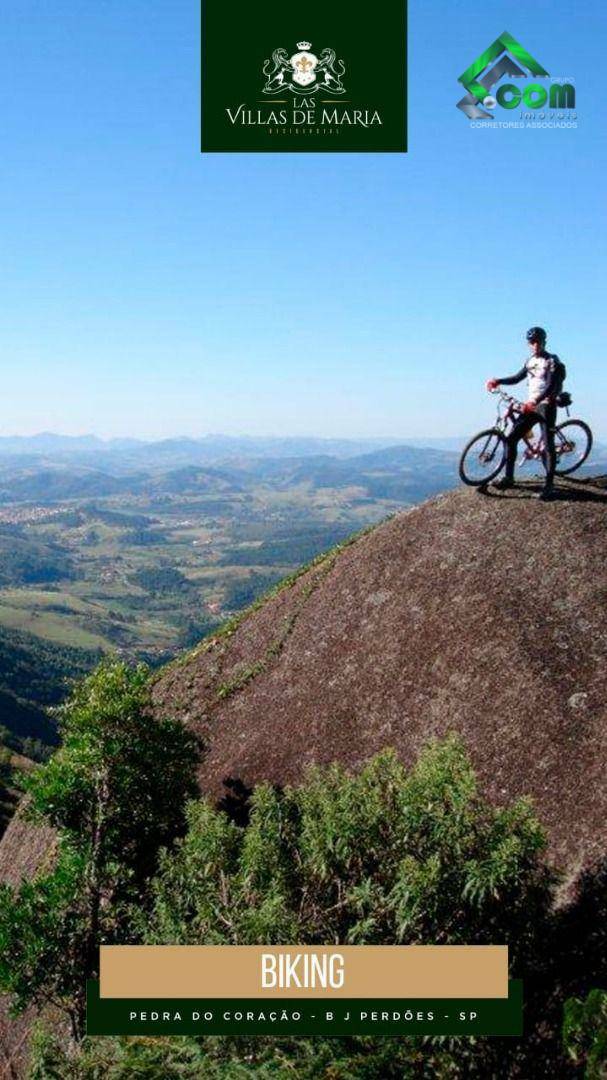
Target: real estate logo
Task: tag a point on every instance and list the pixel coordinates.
(288, 92)
(312, 85)
(540, 105)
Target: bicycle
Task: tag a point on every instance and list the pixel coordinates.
(485, 455)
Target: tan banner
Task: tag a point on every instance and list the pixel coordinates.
(294, 971)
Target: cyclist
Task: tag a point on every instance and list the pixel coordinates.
(544, 374)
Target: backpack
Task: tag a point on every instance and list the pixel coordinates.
(562, 398)
(560, 374)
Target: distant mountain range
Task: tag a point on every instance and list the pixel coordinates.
(188, 451)
(395, 472)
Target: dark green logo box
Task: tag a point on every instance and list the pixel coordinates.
(319, 77)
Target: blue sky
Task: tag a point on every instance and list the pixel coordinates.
(151, 290)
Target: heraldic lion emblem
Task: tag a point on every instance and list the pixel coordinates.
(304, 72)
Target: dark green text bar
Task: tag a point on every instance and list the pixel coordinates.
(113, 1016)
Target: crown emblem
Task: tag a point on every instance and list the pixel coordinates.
(304, 45)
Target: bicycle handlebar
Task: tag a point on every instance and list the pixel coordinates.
(507, 397)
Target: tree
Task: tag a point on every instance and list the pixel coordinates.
(115, 793)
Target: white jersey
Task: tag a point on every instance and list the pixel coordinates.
(543, 379)
(540, 375)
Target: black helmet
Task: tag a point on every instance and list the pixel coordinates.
(537, 334)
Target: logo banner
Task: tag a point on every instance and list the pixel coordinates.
(280, 79)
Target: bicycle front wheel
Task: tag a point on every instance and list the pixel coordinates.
(483, 458)
(572, 444)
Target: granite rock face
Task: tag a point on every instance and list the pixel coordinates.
(480, 614)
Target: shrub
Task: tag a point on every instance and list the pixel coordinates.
(585, 1033)
(383, 856)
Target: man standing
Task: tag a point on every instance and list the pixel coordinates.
(544, 373)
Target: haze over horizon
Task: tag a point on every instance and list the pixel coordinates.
(269, 436)
(6, 436)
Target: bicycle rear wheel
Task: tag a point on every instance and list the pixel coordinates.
(572, 444)
(483, 458)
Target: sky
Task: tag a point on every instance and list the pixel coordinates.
(150, 290)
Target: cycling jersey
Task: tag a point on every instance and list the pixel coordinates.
(541, 374)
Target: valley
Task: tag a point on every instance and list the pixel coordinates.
(112, 552)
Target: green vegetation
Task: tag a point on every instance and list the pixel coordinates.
(585, 1033)
(30, 666)
(291, 550)
(240, 680)
(161, 579)
(387, 855)
(142, 537)
(24, 561)
(193, 630)
(115, 792)
(383, 856)
(264, 1059)
(35, 674)
(242, 592)
(51, 627)
(8, 792)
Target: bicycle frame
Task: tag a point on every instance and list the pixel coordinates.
(534, 449)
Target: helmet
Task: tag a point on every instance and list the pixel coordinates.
(537, 334)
